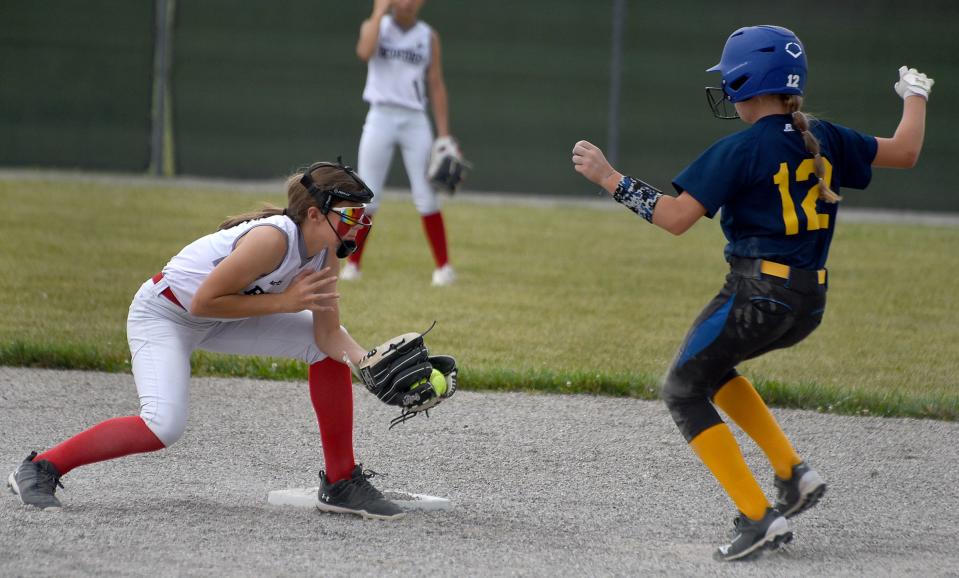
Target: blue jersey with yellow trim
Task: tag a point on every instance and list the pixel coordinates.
(764, 181)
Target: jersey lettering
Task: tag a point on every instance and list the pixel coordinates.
(397, 69)
(406, 55)
(805, 171)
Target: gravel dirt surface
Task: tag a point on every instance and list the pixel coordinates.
(542, 485)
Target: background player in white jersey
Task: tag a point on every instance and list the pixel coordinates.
(404, 66)
(215, 296)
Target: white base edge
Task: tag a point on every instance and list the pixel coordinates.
(307, 498)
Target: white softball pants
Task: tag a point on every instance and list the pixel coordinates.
(162, 335)
(386, 127)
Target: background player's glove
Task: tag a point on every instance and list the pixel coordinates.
(399, 373)
(913, 83)
(447, 167)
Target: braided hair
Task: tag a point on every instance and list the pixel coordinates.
(800, 121)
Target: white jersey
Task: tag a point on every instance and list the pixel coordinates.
(396, 73)
(191, 266)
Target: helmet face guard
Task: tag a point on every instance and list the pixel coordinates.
(759, 60)
(720, 104)
(325, 197)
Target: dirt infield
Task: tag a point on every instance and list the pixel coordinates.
(541, 485)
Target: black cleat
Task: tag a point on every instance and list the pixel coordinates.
(800, 492)
(356, 495)
(36, 483)
(752, 537)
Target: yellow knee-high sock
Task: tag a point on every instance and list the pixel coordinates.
(718, 449)
(739, 399)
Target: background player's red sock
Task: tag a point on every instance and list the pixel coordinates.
(360, 244)
(331, 391)
(113, 438)
(436, 234)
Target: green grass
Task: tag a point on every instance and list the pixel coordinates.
(559, 299)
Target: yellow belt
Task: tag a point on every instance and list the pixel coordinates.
(782, 271)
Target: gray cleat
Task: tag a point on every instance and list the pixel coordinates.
(800, 492)
(752, 537)
(36, 483)
(356, 495)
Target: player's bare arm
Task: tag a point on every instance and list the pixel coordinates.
(370, 30)
(259, 252)
(902, 150)
(439, 100)
(678, 214)
(332, 339)
(674, 214)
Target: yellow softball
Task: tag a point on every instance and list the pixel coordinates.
(438, 381)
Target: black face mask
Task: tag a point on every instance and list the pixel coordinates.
(345, 249)
(719, 103)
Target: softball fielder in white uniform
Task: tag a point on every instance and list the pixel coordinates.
(404, 67)
(215, 296)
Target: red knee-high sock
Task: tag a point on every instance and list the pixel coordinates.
(436, 234)
(331, 391)
(113, 438)
(360, 244)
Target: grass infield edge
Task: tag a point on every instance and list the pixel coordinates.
(808, 396)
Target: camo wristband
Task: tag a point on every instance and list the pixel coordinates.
(637, 196)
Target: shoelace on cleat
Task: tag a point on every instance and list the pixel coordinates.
(46, 480)
(360, 486)
(363, 486)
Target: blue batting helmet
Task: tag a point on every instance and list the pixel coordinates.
(762, 60)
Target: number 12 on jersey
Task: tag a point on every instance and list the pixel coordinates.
(805, 171)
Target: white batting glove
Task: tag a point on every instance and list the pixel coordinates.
(913, 83)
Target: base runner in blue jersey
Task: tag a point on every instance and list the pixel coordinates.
(776, 185)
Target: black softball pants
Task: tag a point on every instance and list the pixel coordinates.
(753, 313)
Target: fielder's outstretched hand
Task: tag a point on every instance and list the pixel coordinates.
(589, 161)
(312, 290)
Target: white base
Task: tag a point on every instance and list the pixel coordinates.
(307, 498)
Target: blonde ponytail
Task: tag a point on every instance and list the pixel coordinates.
(801, 123)
(268, 210)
